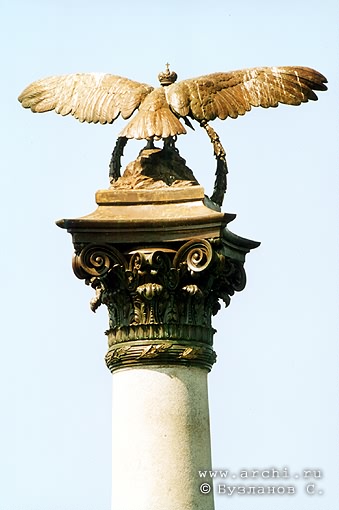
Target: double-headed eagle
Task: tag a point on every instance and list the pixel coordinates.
(93, 97)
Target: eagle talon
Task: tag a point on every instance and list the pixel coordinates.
(169, 144)
(150, 144)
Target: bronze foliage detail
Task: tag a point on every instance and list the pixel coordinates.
(160, 301)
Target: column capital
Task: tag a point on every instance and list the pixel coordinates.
(160, 262)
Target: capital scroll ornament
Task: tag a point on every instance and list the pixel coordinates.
(160, 301)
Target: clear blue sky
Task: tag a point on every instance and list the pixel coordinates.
(273, 391)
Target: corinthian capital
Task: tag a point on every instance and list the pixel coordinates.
(161, 263)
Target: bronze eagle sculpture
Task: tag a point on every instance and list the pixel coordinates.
(94, 97)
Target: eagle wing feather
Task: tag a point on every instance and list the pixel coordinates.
(89, 97)
(222, 95)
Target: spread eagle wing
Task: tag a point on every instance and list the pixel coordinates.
(94, 97)
(231, 94)
(89, 97)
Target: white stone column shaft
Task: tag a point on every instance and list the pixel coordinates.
(161, 438)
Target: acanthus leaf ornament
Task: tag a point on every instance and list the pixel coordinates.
(160, 299)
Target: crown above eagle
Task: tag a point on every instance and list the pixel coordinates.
(168, 77)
